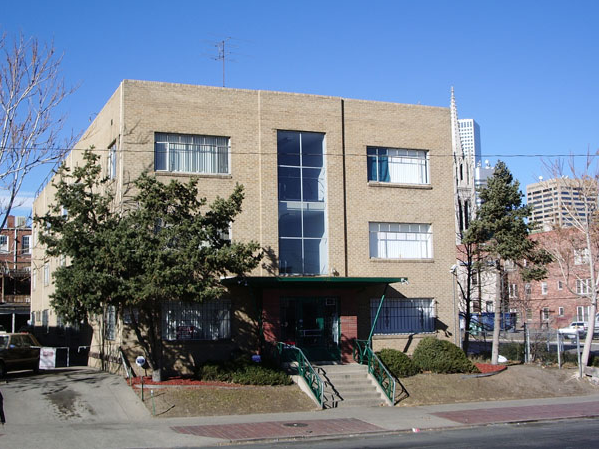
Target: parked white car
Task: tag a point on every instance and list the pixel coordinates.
(575, 327)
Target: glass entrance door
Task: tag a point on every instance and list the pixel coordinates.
(312, 324)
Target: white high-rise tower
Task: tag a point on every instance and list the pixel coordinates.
(470, 138)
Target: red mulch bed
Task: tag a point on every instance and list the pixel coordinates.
(181, 381)
(485, 368)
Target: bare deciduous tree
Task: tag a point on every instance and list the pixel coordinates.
(31, 89)
(577, 235)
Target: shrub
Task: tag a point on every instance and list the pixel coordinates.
(512, 351)
(260, 375)
(398, 363)
(550, 358)
(243, 371)
(441, 356)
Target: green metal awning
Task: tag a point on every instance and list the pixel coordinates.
(313, 281)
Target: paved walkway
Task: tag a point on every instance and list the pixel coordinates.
(356, 421)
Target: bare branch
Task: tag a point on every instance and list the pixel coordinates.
(574, 243)
(31, 89)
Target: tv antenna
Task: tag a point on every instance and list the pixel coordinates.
(223, 48)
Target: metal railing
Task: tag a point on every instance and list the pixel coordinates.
(16, 299)
(305, 370)
(363, 354)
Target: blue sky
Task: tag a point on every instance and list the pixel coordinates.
(525, 71)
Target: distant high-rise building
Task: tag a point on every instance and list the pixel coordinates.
(470, 138)
(481, 174)
(560, 201)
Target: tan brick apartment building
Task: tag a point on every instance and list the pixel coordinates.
(15, 259)
(345, 196)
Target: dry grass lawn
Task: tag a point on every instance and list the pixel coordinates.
(517, 382)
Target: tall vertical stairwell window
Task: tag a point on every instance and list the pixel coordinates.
(397, 165)
(303, 247)
(188, 153)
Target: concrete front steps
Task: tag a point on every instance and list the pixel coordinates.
(349, 386)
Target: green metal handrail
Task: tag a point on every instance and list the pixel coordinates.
(306, 370)
(363, 354)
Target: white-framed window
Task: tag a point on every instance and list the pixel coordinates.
(403, 316)
(528, 314)
(26, 244)
(196, 321)
(46, 274)
(513, 290)
(544, 288)
(189, 153)
(111, 165)
(583, 286)
(110, 323)
(398, 165)
(4, 243)
(545, 314)
(582, 313)
(581, 256)
(560, 311)
(560, 285)
(401, 241)
(527, 288)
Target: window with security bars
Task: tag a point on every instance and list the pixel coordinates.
(110, 323)
(188, 153)
(400, 241)
(196, 321)
(403, 316)
(397, 165)
(45, 321)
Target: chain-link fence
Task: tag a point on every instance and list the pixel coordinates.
(530, 345)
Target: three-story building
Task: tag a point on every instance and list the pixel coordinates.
(351, 201)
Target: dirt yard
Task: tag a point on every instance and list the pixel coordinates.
(517, 382)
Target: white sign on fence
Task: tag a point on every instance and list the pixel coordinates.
(47, 358)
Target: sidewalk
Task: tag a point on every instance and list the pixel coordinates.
(356, 421)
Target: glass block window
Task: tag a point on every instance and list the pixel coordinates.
(403, 316)
(196, 321)
(191, 153)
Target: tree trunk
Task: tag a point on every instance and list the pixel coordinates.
(466, 340)
(496, 319)
(586, 352)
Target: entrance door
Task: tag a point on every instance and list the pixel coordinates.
(312, 324)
